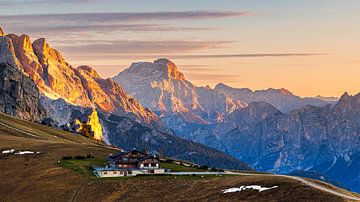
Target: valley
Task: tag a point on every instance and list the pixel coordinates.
(40, 177)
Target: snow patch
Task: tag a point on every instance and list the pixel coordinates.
(24, 152)
(243, 188)
(10, 151)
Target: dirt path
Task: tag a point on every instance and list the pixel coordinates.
(322, 188)
(307, 182)
(21, 131)
(79, 189)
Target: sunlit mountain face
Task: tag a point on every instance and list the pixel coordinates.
(241, 85)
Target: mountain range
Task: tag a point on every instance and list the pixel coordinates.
(151, 105)
(273, 130)
(79, 100)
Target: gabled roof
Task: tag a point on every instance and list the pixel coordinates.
(145, 158)
(122, 154)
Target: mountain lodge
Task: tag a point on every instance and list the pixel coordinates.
(130, 163)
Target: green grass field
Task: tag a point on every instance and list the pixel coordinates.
(82, 166)
(179, 168)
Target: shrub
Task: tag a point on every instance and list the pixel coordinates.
(80, 157)
(66, 157)
(89, 156)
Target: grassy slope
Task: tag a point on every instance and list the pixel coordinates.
(40, 178)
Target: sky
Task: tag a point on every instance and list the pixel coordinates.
(310, 47)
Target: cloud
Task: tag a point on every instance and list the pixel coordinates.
(250, 55)
(122, 16)
(57, 29)
(107, 49)
(109, 23)
(35, 2)
(191, 46)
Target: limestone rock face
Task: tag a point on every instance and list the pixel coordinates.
(162, 88)
(56, 79)
(7, 51)
(110, 97)
(60, 78)
(1, 32)
(19, 95)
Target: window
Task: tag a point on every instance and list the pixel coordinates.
(105, 173)
(114, 172)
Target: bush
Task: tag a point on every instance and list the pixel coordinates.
(80, 157)
(66, 157)
(89, 156)
(204, 167)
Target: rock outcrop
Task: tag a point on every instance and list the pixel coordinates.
(19, 95)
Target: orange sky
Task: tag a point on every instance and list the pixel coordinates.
(308, 47)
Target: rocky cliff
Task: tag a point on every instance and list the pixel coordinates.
(19, 96)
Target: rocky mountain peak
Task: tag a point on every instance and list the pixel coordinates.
(7, 51)
(2, 33)
(284, 91)
(170, 68)
(348, 103)
(44, 52)
(223, 87)
(158, 70)
(89, 71)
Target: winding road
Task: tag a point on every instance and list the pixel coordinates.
(302, 180)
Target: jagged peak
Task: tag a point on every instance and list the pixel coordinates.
(159, 69)
(171, 68)
(345, 95)
(284, 91)
(163, 61)
(222, 86)
(89, 70)
(22, 41)
(40, 43)
(2, 33)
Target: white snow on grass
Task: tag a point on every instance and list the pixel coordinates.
(10, 151)
(243, 188)
(24, 152)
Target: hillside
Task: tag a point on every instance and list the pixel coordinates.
(38, 177)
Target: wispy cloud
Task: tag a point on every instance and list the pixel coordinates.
(59, 30)
(106, 49)
(124, 16)
(194, 56)
(250, 55)
(109, 23)
(34, 2)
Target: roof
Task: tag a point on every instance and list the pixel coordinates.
(121, 154)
